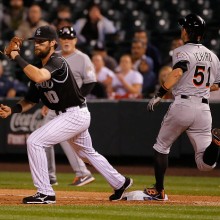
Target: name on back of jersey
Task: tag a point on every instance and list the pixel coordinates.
(203, 56)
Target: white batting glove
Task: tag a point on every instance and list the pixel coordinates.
(153, 102)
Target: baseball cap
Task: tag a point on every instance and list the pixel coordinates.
(67, 32)
(45, 33)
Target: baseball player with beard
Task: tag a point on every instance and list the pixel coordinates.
(196, 70)
(56, 87)
(83, 72)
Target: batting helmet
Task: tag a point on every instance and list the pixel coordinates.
(67, 32)
(194, 26)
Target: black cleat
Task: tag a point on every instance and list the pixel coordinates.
(119, 192)
(39, 198)
(154, 194)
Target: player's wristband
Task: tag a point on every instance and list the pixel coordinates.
(16, 108)
(21, 62)
(162, 91)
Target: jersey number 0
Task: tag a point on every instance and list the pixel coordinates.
(51, 96)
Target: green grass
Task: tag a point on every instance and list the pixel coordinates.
(174, 185)
(116, 212)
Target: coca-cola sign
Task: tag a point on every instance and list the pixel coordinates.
(26, 122)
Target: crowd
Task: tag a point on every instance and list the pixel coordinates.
(130, 73)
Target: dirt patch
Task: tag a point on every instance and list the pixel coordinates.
(15, 196)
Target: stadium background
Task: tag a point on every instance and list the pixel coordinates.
(160, 20)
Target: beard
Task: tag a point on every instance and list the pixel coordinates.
(42, 54)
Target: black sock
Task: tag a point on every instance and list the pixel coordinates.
(160, 166)
(211, 154)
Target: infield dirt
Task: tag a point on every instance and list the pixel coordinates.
(14, 196)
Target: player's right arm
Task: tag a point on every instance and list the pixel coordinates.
(173, 77)
(28, 102)
(21, 106)
(44, 110)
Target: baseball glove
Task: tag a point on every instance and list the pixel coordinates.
(14, 45)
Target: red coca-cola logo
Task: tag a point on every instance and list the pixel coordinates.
(26, 122)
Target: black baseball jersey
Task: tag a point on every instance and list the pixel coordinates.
(60, 91)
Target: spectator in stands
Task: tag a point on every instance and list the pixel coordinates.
(128, 82)
(151, 50)
(13, 17)
(34, 20)
(10, 86)
(146, 69)
(94, 27)
(144, 64)
(163, 73)
(110, 61)
(176, 42)
(20, 87)
(103, 74)
(6, 85)
(63, 18)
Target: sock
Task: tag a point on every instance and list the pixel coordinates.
(160, 166)
(211, 154)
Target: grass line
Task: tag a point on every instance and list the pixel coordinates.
(206, 186)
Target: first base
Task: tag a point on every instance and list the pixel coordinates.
(139, 195)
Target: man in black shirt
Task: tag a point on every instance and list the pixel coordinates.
(56, 87)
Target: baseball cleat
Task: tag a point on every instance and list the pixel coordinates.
(216, 136)
(39, 198)
(155, 195)
(118, 195)
(82, 180)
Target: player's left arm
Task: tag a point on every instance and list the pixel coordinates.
(33, 73)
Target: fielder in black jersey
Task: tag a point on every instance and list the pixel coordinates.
(55, 86)
(60, 91)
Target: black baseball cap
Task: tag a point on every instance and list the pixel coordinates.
(45, 33)
(67, 32)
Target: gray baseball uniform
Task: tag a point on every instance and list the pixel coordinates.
(83, 72)
(190, 110)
